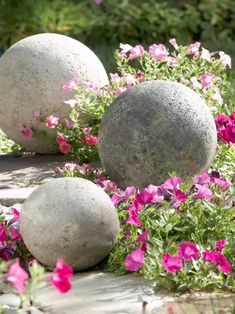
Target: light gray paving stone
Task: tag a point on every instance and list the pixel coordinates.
(9, 197)
(102, 293)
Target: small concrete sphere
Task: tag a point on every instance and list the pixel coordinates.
(69, 218)
(32, 73)
(153, 129)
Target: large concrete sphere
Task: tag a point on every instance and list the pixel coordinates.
(153, 129)
(69, 218)
(32, 73)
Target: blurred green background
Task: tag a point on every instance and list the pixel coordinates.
(102, 27)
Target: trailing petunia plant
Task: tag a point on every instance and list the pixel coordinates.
(192, 65)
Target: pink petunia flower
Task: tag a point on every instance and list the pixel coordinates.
(17, 276)
(69, 123)
(219, 259)
(136, 52)
(91, 140)
(135, 260)
(3, 235)
(117, 197)
(15, 233)
(26, 132)
(228, 133)
(61, 276)
(206, 79)
(225, 59)
(93, 87)
(171, 263)
(156, 193)
(144, 197)
(61, 138)
(143, 237)
(172, 183)
(172, 61)
(220, 245)
(158, 52)
(222, 183)
(178, 197)
(52, 121)
(68, 87)
(84, 169)
(65, 148)
(173, 42)
(70, 166)
(202, 179)
(130, 191)
(133, 218)
(203, 192)
(115, 78)
(16, 216)
(193, 48)
(188, 251)
(120, 90)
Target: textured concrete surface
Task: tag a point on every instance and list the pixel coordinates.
(69, 218)
(101, 293)
(9, 197)
(32, 73)
(153, 129)
(27, 170)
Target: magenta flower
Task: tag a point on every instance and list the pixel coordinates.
(173, 42)
(188, 251)
(15, 233)
(178, 197)
(133, 218)
(225, 59)
(171, 263)
(144, 197)
(93, 87)
(61, 139)
(3, 235)
(203, 192)
(219, 259)
(206, 79)
(129, 191)
(140, 77)
(52, 121)
(70, 166)
(65, 147)
(143, 237)
(91, 140)
(193, 48)
(68, 87)
(228, 133)
(16, 215)
(69, 123)
(222, 183)
(156, 193)
(158, 52)
(61, 276)
(17, 276)
(117, 197)
(136, 52)
(220, 245)
(204, 178)
(172, 183)
(26, 133)
(84, 169)
(107, 185)
(135, 260)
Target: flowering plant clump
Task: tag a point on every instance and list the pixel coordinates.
(192, 65)
(181, 235)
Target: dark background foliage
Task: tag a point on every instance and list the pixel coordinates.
(102, 27)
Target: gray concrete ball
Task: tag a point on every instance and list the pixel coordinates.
(153, 129)
(69, 218)
(32, 73)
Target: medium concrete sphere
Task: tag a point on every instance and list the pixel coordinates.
(69, 218)
(153, 129)
(32, 73)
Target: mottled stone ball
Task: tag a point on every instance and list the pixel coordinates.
(154, 129)
(32, 73)
(69, 218)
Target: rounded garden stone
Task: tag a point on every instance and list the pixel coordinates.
(69, 218)
(153, 129)
(32, 73)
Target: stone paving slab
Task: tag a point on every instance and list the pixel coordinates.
(102, 293)
(27, 170)
(9, 197)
